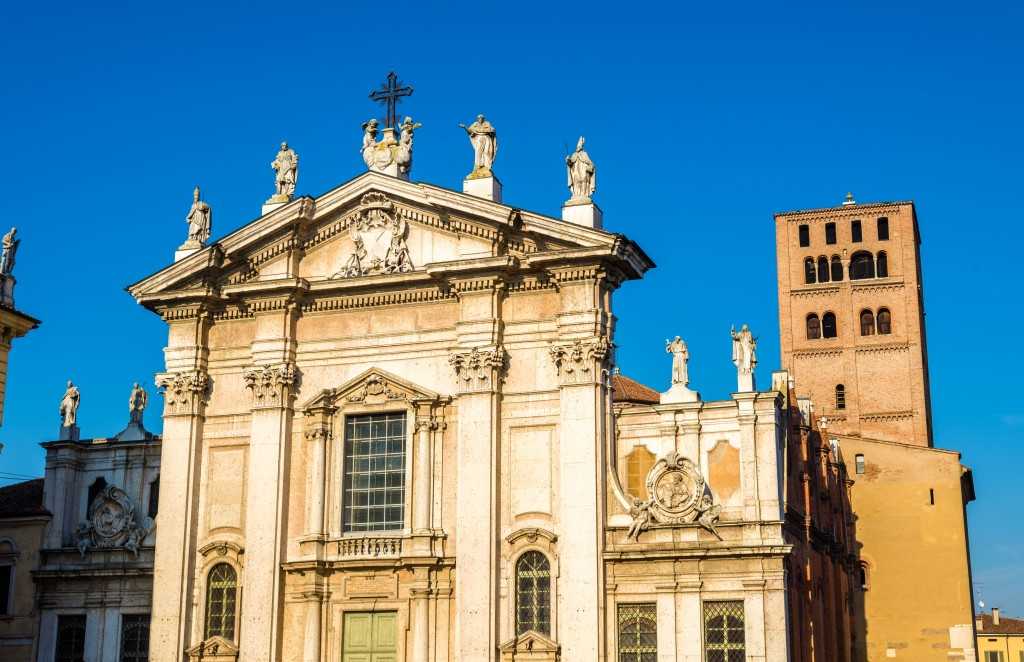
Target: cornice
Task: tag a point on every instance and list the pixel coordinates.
(814, 353)
(820, 214)
(888, 347)
(888, 416)
(812, 291)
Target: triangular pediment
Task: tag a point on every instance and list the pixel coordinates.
(378, 227)
(530, 641)
(371, 387)
(215, 649)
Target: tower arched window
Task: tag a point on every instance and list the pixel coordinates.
(822, 269)
(882, 263)
(884, 321)
(221, 601)
(533, 593)
(862, 265)
(867, 323)
(837, 268)
(828, 325)
(840, 396)
(883, 229)
(813, 327)
(856, 233)
(810, 275)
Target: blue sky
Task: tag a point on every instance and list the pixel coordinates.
(703, 120)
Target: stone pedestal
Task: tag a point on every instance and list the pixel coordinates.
(7, 290)
(69, 433)
(586, 214)
(186, 249)
(275, 201)
(679, 393)
(488, 188)
(745, 382)
(134, 432)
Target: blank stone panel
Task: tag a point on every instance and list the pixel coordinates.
(225, 487)
(531, 469)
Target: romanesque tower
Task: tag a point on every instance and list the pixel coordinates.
(851, 317)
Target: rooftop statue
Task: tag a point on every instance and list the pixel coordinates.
(286, 167)
(581, 175)
(10, 248)
(199, 220)
(484, 140)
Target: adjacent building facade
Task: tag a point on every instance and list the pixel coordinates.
(1000, 639)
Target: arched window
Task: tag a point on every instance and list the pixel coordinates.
(883, 264)
(809, 272)
(883, 229)
(822, 269)
(865, 576)
(813, 327)
(221, 591)
(867, 323)
(840, 396)
(884, 321)
(856, 234)
(862, 265)
(837, 268)
(97, 486)
(533, 593)
(828, 325)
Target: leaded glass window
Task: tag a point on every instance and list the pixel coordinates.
(723, 632)
(374, 498)
(221, 592)
(134, 637)
(70, 638)
(533, 593)
(638, 632)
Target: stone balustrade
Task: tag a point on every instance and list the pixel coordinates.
(370, 547)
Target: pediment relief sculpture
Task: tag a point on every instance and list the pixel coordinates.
(214, 649)
(677, 495)
(531, 646)
(112, 522)
(372, 387)
(379, 236)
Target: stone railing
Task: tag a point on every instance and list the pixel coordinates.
(370, 547)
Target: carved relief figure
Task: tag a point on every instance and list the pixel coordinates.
(10, 248)
(286, 167)
(404, 156)
(112, 521)
(680, 355)
(199, 220)
(369, 141)
(484, 140)
(379, 235)
(581, 175)
(744, 349)
(137, 402)
(677, 494)
(69, 405)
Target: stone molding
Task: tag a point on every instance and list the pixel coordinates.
(184, 392)
(271, 385)
(581, 362)
(817, 353)
(888, 416)
(531, 535)
(480, 369)
(888, 347)
(223, 549)
(214, 649)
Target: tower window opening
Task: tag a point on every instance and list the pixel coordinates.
(862, 265)
(810, 275)
(837, 268)
(883, 229)
(805, 236)
(830, 233)
(856, 233)
(822, 269)
(828, 325)
(840, 396)
(813, 327)
(884, 320)
(867, 323)
(882, 263)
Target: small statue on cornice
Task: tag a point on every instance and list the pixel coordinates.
(286, 173)
(581, 175)
(200, 221)
(484, 140)
(404, 156)
(10, 248)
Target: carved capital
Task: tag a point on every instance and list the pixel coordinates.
(184, 392)
(271, 385)
(478, 369)
(582, 361)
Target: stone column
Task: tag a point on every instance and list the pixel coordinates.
(689, 622)
(185, 388)
(421, 481)
(311, 640)
(318, 434)
(420, 640)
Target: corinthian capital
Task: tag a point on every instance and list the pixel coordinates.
(581, 361)
(478, 369)
(271, 385)
(183, 392)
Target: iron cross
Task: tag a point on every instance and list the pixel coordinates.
(393, 91)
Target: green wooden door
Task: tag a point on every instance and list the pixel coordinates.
(370, 637)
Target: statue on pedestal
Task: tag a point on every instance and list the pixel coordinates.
(404, 156)
(199, 221)
(137, 402)
(680, 355)
(286, 167)
(10, 248)
(69, 406)
(484, 140)
(582, 174)
(744, 356)
(369, 141)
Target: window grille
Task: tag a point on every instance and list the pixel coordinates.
(840, 396)
(723, 632)
(221, 591)
(533, 593)
(374, 491)
(70, 638)
(134, 637)
(638, 632)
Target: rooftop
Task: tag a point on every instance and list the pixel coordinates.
(625, 389)
(22, 499)
(1006, 625)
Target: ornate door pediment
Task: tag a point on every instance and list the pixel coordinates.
(530, 646)
(214, 649)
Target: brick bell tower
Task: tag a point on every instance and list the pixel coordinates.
(851, 317)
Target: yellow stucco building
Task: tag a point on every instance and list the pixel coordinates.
(1000, 639)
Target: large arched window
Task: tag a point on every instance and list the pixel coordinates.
(862, 265)
(810, 275)
(867, 323)
(837, 268)
(533, 593)
(883, 264)
(822, 269)
(813, 327)
(221, 592)
(828, 325)
(884, 321)
(840, 396)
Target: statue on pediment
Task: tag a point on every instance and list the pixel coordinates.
(404, 156)
(137, 402)
(199, 220)
(744, 357)
(369, 141)
(581, 175)
(484, 140)
(69, 405)
(10, 248)
(680, 355)
(286, 169)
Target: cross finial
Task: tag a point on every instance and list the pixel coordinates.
(389, 95)
(849, 199)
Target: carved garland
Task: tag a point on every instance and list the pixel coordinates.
(576, 362)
